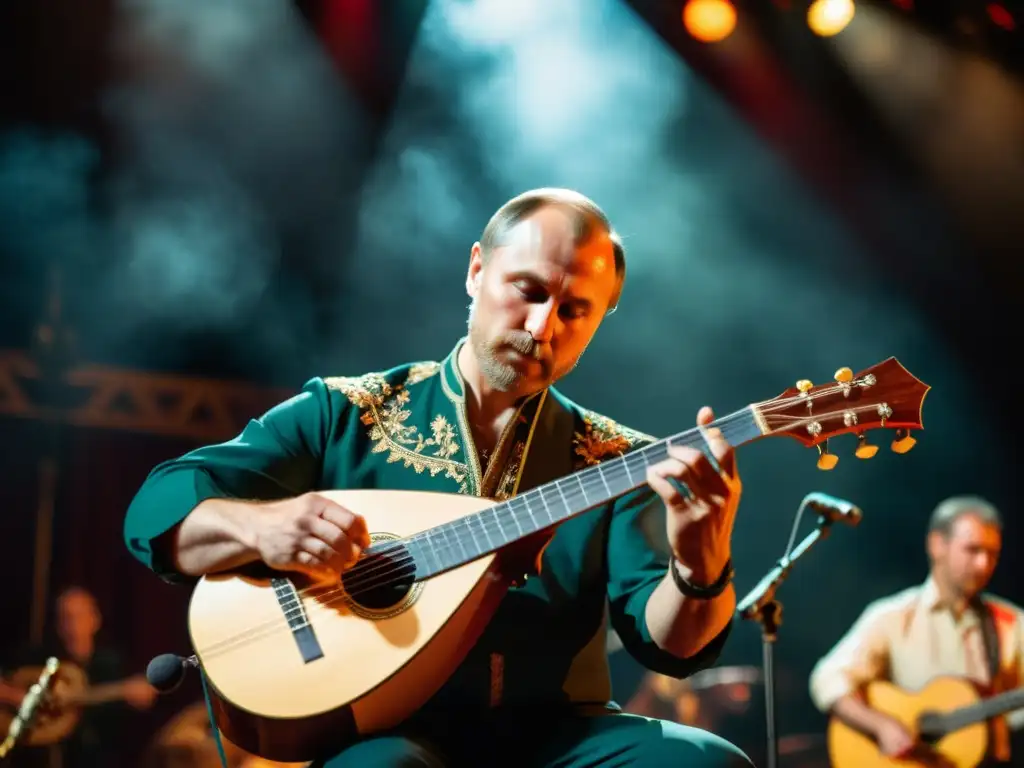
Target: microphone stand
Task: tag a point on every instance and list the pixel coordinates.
(762, 606)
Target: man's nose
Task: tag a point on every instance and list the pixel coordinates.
(542, 321)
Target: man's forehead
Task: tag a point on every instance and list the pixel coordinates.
(548, 237)
(972, 526)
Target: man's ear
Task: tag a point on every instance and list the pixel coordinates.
(475, 273)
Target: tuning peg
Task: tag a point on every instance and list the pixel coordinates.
(804, 386)
(865, 450)
(903, 442)
(826, 460)
(844, 376)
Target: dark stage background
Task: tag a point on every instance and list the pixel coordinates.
(245, 199)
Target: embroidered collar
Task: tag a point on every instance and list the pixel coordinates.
(451, 376)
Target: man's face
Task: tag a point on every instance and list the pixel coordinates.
(78, 618)
(967, 558)
(538, 301)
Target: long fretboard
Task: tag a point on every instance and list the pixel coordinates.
(450, 545)
(935, 725)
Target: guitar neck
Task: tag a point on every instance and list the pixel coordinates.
(448, 546)
(983, 710)
(101, 694)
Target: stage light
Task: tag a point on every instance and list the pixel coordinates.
(829, 17)
(709, 20)
(1000, 16)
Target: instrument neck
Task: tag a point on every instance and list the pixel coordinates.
(978, 712)
(453, 544)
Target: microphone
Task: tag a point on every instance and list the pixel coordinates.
(833, 509)
(166, 671)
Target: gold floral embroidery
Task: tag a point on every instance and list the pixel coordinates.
(603, 438)
(385, 414)
(421, 371)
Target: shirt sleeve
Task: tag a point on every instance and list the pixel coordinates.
(861, 656)
(638, 559)
(277, 455)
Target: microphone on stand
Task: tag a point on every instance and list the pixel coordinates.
(835, 510)
(762, 606)
(166, 671)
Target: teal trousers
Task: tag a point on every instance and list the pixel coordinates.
(565, 740)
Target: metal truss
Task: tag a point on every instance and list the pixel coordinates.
(117, 398)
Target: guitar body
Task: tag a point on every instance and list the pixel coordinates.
(964, 748)
(375, 665)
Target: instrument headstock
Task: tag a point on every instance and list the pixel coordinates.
(884, 396)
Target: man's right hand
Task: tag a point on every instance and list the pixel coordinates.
(894, 740)
(309, 533)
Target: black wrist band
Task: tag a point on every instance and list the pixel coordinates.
(698, 592)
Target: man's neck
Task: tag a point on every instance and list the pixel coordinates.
(80, 650)
(949, 596)
(485, 404)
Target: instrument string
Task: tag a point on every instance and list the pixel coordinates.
(379, 574)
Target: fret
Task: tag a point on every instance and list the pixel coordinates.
(497, 526)
(515, 517)
(600, 472)
(540, 492)
(419, 549)
(458, 540)
(559, 508)
(629, 472)
(441, 532)
(583, 487)
(565, 501)
(482, 525)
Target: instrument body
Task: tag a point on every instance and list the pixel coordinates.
(948, 715)
(379, 666)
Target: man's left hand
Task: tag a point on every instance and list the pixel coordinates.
(700, 521)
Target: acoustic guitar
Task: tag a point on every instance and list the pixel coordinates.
(947, 716)
(68, 690)
(298, 669)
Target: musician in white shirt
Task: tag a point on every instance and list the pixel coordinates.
(930, 630)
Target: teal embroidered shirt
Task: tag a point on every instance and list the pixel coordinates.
(406, 428)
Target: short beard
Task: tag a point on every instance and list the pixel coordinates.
(500, 376)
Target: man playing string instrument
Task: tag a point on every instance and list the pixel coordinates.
(535, 689)
(933, 629)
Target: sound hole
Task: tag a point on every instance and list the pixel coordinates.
(382, 578)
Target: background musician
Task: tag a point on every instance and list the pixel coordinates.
(78, 622)
(930, 630)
